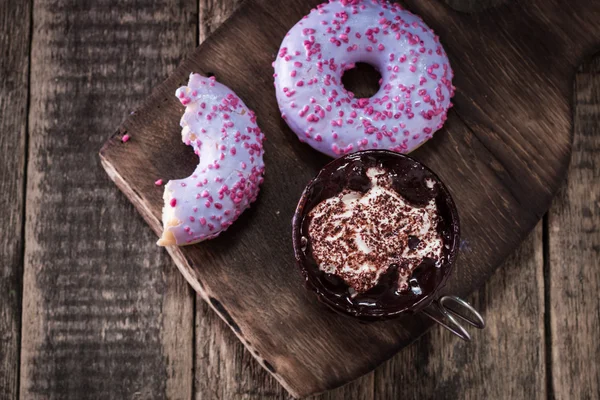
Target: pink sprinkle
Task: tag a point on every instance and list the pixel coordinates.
(125, 138)
(173, 202)
(158, 182)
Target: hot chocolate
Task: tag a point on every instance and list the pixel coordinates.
(360, 236)
(375, 234)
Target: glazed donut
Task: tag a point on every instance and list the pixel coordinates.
(229, 144)
(416, 78)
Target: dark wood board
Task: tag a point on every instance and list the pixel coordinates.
(503, 153)
(504, 360)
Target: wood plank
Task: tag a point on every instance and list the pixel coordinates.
(504, 361)
(14, 81)
(487, 143)
(105, 315)
(212, 13)
(574, 251)
(224, 368)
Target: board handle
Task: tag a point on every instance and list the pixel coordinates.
(445, 310)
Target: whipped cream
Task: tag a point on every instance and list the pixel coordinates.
(359, 236)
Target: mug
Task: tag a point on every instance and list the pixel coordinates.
(413, 181)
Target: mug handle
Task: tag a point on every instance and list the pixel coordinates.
(440, 312)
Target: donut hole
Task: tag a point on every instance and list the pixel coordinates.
(362, 80)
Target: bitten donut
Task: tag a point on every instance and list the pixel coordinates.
(229, 144)
(416, 78)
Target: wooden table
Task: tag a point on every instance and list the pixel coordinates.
(90, 308)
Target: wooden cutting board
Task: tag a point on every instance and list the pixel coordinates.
(503, 153)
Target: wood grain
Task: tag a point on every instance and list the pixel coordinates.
(105, 315)
(212, 13)
(224, 369)
(473, 6)
(14, 62)
(573, 239)
(493, 366)
(487, 141)
(505, 361)
(574, 253)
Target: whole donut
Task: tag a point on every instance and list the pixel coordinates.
(416, 78)
(229, 144)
